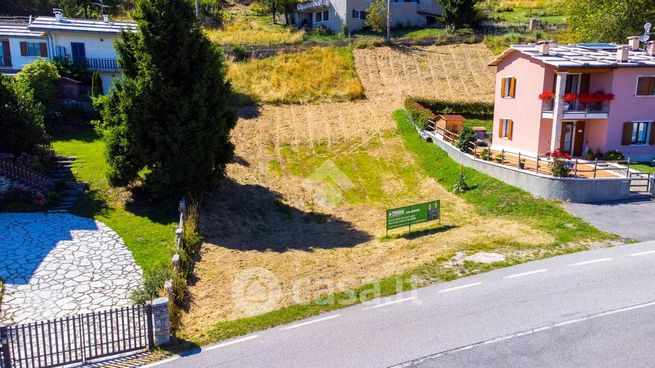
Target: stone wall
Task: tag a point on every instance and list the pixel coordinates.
(161, 321)
(566, 189)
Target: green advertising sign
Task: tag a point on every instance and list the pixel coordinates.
(414, 214)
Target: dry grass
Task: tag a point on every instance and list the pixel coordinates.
(267, 216)
(244, 28)
(528, 4)
(320, 74)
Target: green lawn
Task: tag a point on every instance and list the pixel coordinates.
(493, 197)
(645, 167)
(523, 15)
(148, 233)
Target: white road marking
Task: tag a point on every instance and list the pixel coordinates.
(397, 301)
(460, 287)
(162, 362)
(592, 261)
(521, 334)
(244, 339)
(525, 273)
(642, 253)
(310, 322)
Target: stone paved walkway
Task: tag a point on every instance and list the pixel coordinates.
(58, 264)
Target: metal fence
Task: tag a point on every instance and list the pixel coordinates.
(76, 339)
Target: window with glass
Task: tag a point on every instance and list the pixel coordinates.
(508, 87)
(506, 127)
(322, 16)
(33, 49)
(646, 86)
(640, 132)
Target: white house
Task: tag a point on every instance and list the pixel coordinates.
(339, 15)
(86, 42)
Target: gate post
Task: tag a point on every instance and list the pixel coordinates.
(4, 347)
(160, 322)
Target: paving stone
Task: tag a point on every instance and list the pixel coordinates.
(57, 264)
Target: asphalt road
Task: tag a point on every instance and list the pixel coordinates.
(631, 219)
(590, 309)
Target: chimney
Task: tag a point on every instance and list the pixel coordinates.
(622, 53)
(633, 42)
(59, 15)
(650, 48)
(105, 18)
(543, 47)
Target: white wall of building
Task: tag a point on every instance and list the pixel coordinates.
(97, 46)
(18, 61)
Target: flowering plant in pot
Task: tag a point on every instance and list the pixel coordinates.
(559, 165)
(570, 97)
(547, 96)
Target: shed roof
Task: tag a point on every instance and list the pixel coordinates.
(80, 25)
(580, 56)
(451, 117)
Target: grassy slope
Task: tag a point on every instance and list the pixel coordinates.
(148, 236)
(316, 75)
(490, 196)
(643, 167)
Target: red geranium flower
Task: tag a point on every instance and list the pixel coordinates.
(546, 96)
(570, 97)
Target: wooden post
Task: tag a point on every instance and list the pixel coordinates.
(519, 163)
(537, 164)
(595, 167)
(575, 173)
(502, 156)
(627, 171)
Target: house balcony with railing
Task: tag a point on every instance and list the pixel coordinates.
(580, 107)
(100, 64)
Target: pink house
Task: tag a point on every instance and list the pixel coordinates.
(575, 98)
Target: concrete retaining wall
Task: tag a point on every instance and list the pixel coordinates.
(566, 189)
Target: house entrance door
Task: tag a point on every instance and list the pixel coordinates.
(566, 144)
(572, 141)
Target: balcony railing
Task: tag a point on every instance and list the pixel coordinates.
(578, 110)
(98, 64)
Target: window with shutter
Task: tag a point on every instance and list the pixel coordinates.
(646, 86)
(23, 49)
(506, 127)
(508, 87)
(627, 134)
(44, 49)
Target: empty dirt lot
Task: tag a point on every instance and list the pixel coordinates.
(270, 216)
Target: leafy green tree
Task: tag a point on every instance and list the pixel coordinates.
(376, 19)
(21, 126)
(96, 84)
(169, 116)
(608, 20)
(38, 78)
(460, 13)
(466, 137)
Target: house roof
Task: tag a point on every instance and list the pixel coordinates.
(312, 5)
(80, 25)
(451, 117)
(17, 30)
(580, 56)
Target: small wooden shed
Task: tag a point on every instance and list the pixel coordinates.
(453, 123)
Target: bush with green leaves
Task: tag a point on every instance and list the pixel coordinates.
(38, 78)
(21, 119)
(465, 140)
(169, 116)
(614, 155)
(420, 115)
(452, 107)
(457, 14)
(485, 154)
(460, 185)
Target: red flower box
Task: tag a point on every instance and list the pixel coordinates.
(546, 96)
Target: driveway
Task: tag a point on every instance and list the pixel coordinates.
(635, 220)
(57, 264)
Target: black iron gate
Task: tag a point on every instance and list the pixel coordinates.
(76, 339)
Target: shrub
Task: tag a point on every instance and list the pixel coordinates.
(420, 115)
(614, 155)
(460, 185)
(38, 78)
(559, 165)
(153, 282)
(21, 119)
(466, 137)
(485, 154)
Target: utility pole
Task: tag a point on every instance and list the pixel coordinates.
(388, 20)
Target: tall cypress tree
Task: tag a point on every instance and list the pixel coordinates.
(169, 114)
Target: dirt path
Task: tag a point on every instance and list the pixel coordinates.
(267, 217)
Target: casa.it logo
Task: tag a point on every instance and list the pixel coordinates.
(256, 291)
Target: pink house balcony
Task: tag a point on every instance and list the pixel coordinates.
(578, 111)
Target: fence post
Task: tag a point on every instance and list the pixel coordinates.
(162, 322)
(537, 163)
(4, 347)
(502, 156)
(151, 332)
(627, 171)
(575, 173)
(595, 167)
(519, 163)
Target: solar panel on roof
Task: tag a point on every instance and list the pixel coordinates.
(597, 46)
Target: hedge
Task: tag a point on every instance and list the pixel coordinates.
(421, 106)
